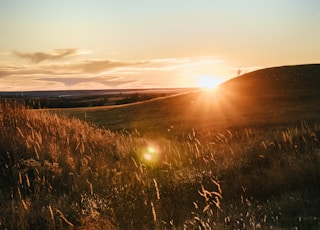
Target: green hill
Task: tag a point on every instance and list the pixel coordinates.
(291, 80)
(265, 97)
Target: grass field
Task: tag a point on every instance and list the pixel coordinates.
(235, 159)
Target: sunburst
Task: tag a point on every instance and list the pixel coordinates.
(207, 82)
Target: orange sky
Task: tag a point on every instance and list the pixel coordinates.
(66, 44)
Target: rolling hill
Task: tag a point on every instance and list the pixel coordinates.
(264, 97)
(293, 81)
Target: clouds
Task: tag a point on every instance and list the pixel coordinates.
(49, 71)
(38, 57)
(96, 66)
(87, 82)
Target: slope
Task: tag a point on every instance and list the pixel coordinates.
(269, 96)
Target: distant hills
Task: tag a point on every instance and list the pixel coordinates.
(87, 98)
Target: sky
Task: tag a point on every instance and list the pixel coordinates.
(113, 44)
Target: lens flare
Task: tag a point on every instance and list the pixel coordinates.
(147, 156)
(151, 150)
(150, 155)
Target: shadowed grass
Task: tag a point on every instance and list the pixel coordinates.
(58, 172)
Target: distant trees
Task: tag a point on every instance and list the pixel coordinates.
(134, 98)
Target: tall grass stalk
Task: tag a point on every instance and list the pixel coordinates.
(58, 172)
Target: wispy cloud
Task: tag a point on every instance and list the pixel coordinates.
(97, 66)
(43, 56)
(4, 73)
(57, 73)
(105, 82)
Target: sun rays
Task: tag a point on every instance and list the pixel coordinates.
(217, 105)
(208, 83)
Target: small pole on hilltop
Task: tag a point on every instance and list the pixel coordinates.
(239, 71)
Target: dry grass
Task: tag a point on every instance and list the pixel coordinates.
(58, 172)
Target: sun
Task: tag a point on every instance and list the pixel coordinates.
(207, 82)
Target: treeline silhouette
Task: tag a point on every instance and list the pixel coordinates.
(83, 101)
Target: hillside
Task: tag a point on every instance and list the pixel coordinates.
(298, 80)
(268, 96)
